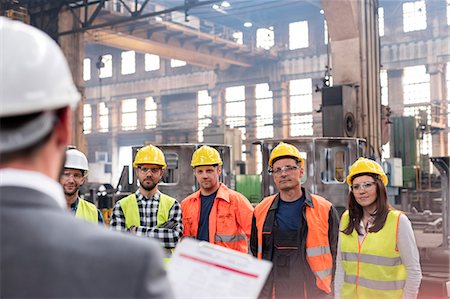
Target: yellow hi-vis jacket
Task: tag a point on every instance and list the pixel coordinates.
(373, 269)
(86, 211)
(130, 210)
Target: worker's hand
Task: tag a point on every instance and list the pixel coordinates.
(132, 229)
(170, 224)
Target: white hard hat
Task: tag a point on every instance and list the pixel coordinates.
(76, 160)
(35, 77)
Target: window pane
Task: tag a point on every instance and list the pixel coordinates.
(106, 69)
(128, 62)
(204, 103)
(87, 118)
(103, 113)
(300, 92)
(298, 35)
(177, 63)
(381, 21)
(152, 62)
(150, 113)
(87, 69)
(265, 38)
(264, 111)
(416, 85)
(414, 16)
(129, 114)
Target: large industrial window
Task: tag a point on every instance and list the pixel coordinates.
(86, 69)
(448, 20)
(105, 69)
(177, 63)
(301, 119)
(384, 87)
(152, 62)
(87, 118)
(129, 114)
(416, 85)
(414, 16)
(235, 111)
(448, 93)
(265, 38)
(264, 111)
(103, 117)
(298, 35)
(204, 103)
(128, 65)
(381, 21)
(150, 113)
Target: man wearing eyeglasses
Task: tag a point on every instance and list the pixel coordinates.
(295, 230)
(148, 212)
(72, 178)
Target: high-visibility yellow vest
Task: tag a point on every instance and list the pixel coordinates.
(86, 211)
(131, 212)
(373, 269)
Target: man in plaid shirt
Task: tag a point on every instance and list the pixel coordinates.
(148, 212)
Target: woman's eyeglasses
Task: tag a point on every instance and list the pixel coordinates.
(363, 186)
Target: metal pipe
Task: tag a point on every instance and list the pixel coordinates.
(442, 164)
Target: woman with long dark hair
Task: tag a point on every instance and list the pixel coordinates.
(377, 252)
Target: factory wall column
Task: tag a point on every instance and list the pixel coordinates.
(281, 105)
(250, 128)
(395, 92)
(317, 102)
(140, 103)
(113, 106)
(159, 119)
(218, 106)
(438, 97)
(73, 48)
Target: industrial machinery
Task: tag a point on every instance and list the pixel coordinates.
(327, 162)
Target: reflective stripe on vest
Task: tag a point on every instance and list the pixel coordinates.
(86, 211)
(229, 238)
(371, 270)
(131, 212)
(318, 252)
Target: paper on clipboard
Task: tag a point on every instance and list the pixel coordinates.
(203, 270)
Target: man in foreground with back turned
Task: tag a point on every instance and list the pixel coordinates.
(45, 251)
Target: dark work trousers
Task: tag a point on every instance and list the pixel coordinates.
(288, 265)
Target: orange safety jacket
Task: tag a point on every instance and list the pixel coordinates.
(230, 219)
(318, 252)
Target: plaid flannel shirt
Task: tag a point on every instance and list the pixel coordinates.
(148, 208)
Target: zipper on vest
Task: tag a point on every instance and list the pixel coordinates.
(357, 271)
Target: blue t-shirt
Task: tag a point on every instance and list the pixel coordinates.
(289, 213)
(205, 209)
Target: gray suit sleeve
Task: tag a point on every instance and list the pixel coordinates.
(155, 282)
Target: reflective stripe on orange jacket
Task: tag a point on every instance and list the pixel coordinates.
(318, 253)
(230, 219)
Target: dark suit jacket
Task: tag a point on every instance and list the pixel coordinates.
(48, 253)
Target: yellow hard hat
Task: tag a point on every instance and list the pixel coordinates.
(149, 155)
(206, 155)
(364, 165)
(285, 150)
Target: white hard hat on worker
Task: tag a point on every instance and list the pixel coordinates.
(35, 78)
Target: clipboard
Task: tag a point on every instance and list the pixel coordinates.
(204, 270)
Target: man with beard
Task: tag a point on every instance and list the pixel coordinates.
(215, 213)
(44, 251)
(72, 178)
(148, 212)
(295, 230)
